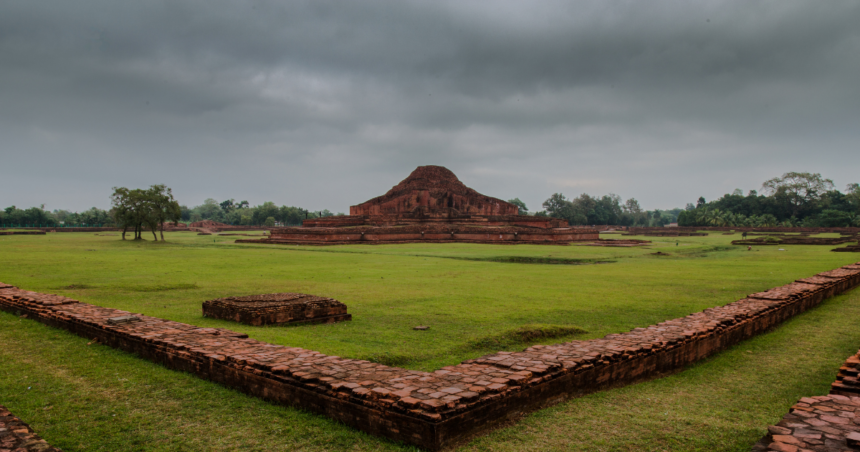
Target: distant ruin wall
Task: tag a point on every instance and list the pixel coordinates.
(443, 408)
(426, 234)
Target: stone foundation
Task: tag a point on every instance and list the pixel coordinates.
(277, 309)
(446, 407)
(16, 436)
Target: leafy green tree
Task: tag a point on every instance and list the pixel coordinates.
(521, 206)
(270, 222)
(136, 208)
(801, 191)
(164, 207)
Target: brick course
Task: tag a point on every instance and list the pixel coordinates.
(16, 436)
(277, 309)
(443, 408)
(828, 423)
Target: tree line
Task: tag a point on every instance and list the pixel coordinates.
(39, 217)
(792, 200)
(241, 213)
(607, 209)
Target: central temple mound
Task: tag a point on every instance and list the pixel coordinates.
(434, 192)
(431, 205)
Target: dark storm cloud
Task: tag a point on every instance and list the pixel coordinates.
(326, 104)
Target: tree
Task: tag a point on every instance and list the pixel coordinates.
(270, 222)
(631, 206)
(801, 191)
(853, 196)
(136, 208)
(227, 206)
(522, 209)
(557, 206)
(129, 209)
(163, 207)
(701, 202)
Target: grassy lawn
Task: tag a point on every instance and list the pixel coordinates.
(475, 301)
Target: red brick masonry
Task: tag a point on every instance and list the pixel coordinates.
(435, 233)
(16, 436)
(824, 423)
(439, 409)
(277, 309)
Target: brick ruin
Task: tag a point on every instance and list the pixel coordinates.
(795, 240)
(848, 249)
(443, 408)
(277, 309)
(829, 423)
(16, 436)
(431, 205)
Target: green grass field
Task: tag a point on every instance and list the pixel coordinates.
(477, 299)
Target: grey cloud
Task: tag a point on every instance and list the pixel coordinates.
(325, 104)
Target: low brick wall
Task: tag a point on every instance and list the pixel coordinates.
(277, 309)
(439, 409)
(795, 241)
(426, 234)
(16, 436)
(822, 423)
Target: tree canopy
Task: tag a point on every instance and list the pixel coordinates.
(138, 208)
(794, 199)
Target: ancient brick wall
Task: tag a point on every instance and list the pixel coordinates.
(16, 436)
(276, 309)
(426, 233)
(821, 423)
(443, 408)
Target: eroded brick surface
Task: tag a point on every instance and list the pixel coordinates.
(16, 436)
(440, 408)
(277, 308)
(824, 423)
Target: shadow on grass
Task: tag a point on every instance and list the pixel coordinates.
(511, 340)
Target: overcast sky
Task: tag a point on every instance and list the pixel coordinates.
(326, 104)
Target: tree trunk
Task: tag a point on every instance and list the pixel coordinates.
(161, 232)
(154, 237)
(124, 228)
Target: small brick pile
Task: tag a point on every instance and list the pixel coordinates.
(828, 423)
(440, 408)
(277, 309)
(16, 436)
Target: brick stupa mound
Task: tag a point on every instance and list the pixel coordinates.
(277, 309)
(431, 205)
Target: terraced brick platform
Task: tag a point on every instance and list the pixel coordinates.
(439, 409)
(16, 436)
(828, 423)
(277, 309)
